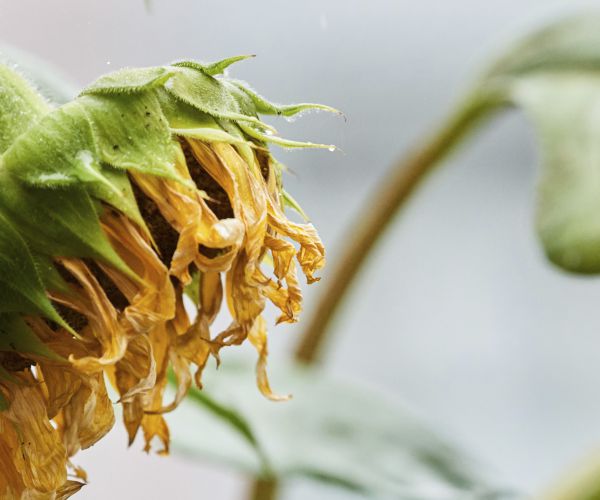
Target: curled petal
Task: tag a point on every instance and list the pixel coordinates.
(258, 338)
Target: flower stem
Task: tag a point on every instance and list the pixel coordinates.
(392, 193)
(264, 489)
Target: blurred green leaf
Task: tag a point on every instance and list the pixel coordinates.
(234, 419)
(565, 109)
(553, 75)
(330, 432)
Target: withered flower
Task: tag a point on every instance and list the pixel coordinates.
(152, 184)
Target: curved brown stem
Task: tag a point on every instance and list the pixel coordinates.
(391, 194)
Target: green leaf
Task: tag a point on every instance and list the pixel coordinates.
(330, 432)
(565, 109)
(16, 336)
(553, 75)
(569, 44)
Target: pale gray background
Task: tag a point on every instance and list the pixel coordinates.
(457, 312)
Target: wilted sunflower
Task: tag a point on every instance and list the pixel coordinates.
(152, 184)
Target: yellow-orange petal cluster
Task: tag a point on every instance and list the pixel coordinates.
(223, 232)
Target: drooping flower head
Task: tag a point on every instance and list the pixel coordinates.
(153, 183)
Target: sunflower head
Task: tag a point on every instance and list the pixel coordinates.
(153, 184)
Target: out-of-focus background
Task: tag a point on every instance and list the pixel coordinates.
(457, 313)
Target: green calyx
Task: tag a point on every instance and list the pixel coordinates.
(59, 167)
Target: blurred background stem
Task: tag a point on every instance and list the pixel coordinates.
(391, 194)
(264, 489)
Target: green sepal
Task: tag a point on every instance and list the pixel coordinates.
(280, 141)
(21, 289)
(57, 222)
(215, 68)
(264, 107)
(129, 81)
(289, 201)
(186, 121)
(207, 94)
(132, 133)
(16, 336)
(60, 150)
(243, 146)
(51, 278)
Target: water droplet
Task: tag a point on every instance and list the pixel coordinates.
(269, 132)
(331, 148)
(108, 63)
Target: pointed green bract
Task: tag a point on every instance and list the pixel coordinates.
(60, 150)
(187, 121)
(207, 94)
(289, 201)
(21, 289)
(132, 133)
(129, 81)
(280, 141)
(265, 107)
(57, 222)
(215, 68)
(16, 336)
